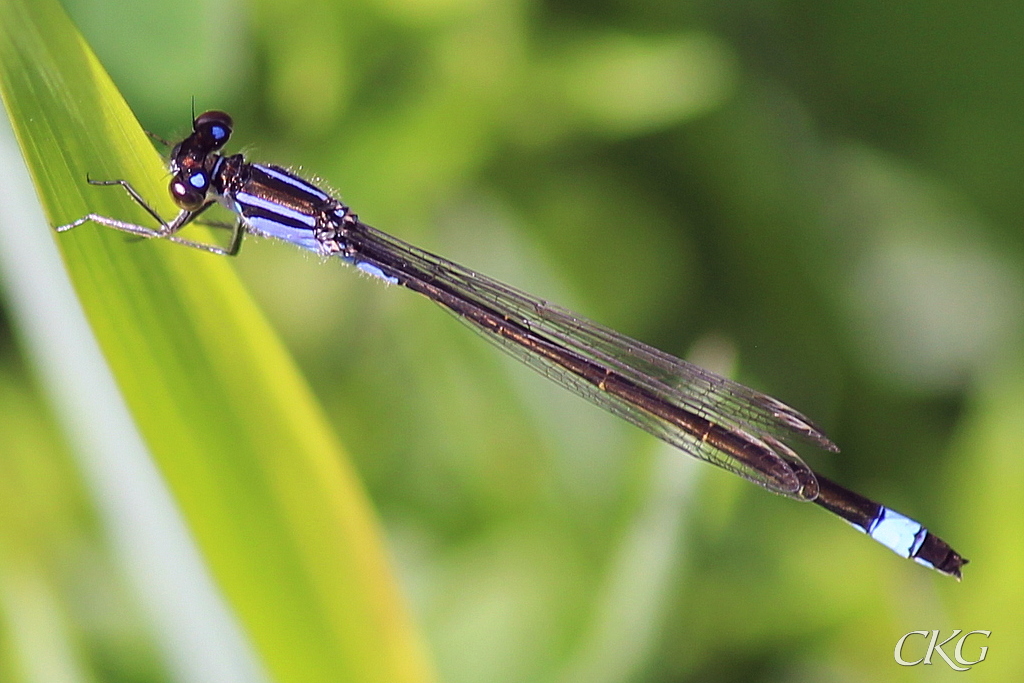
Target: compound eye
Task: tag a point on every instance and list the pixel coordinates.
(189, 189)
(215, 125)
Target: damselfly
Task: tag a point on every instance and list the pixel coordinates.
(705, 415)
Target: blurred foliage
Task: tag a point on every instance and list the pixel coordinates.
(274, 507)
(826, 194)
(65, 609)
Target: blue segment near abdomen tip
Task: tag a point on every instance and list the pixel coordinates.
(897, 532)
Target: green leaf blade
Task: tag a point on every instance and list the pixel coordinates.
(243, 445)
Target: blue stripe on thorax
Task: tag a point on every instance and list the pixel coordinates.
(268, 227)
(244, 200)
(296, 183)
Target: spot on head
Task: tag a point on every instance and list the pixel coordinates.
(185, 195)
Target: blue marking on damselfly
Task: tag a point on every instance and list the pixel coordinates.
(705, 415)
(375, 271)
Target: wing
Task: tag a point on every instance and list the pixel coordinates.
(705, 415)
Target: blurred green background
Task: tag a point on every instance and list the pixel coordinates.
(821, 200)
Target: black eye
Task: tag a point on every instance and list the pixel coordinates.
(215, 126)
(189, 190)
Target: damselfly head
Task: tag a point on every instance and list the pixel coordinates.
(192, 159)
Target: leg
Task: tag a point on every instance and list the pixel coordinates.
(166, 229)
(131, 193)
(233, 246)
(167, 233)
(232, 250)
(159, 139)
